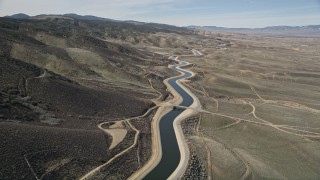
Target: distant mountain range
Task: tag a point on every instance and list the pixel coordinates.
(310, 30)
(70, 15)
(163, 27)
(19, 16)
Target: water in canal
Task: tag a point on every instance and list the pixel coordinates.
(170, 149)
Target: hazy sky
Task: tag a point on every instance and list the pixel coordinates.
(227, 13)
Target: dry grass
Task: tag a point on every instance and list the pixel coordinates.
(260, 98)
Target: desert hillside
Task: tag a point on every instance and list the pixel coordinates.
(81, 97)
(61, 77)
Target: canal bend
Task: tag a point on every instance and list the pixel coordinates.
(170, 150)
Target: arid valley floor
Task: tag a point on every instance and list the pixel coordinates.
(260, 97)
(78, 100)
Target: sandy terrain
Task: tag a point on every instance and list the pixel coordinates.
(116, 133)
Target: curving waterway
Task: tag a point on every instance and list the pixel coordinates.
(170, 150)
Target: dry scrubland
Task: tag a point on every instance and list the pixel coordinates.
(62, 77)
(260, 97)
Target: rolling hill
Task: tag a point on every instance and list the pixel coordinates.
(63, 74)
